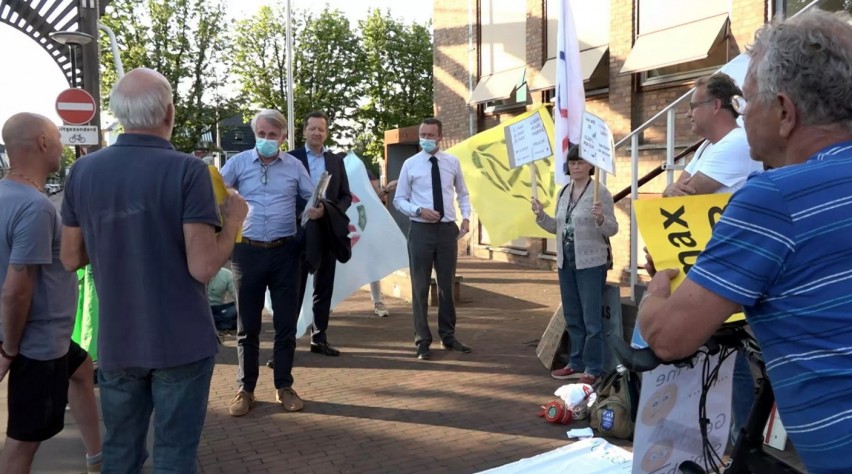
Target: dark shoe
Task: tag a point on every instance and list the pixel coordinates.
(455, 346)
(324, 349)
(270, 363)
(423, 353)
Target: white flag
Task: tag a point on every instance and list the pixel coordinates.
(378, 245)
(570, 95)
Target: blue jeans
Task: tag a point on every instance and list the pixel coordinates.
(742, 396)
(179, 397)
(582, 300)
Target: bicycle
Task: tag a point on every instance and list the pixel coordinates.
(748, 455)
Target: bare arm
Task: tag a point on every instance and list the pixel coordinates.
(680, 187)
(676, 325)
(206, 251)
(703, 184)
(17, 295)
(73, 251)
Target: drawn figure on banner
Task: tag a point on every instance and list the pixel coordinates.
(507, 179)
(660, 405)
(657, 456)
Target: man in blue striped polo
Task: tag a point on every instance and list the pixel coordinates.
(783, 248)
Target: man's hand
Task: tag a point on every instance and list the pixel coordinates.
(430, 215)
(649, 263)
(4, 367)
(661, 284)
(465, 228)
(234, 208)
(390, 186)
(679, 188)
(317, 212)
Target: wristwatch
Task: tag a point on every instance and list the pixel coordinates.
(418, 211)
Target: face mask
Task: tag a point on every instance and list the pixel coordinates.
(429, 146)
(266, 147)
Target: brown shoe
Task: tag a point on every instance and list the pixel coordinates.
(289, 399)
(242, 403)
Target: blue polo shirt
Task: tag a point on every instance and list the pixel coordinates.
(783, 250)
(131, 201)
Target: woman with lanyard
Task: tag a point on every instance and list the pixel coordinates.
(583, 225)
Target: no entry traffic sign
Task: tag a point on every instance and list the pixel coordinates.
(75, 106)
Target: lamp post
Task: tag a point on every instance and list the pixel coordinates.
(72, 39)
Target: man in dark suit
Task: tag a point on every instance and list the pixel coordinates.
(317, 159)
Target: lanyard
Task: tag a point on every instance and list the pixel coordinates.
(571, 203)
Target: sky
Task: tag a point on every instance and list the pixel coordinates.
(31, 80)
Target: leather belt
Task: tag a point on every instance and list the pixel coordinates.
(267, 245)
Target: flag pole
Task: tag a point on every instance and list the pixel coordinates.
(290, 127)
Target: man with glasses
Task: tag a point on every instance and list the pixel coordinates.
(722, 163)
(782, 248)
(267, 256)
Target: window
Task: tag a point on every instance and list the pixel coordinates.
(238, 135)
(502, 55)
(794, 6)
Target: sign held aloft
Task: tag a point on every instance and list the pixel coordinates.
(596, 145)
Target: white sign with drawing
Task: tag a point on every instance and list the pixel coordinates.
(79, 134)
(596, 145)
(667, 429)
(527, 141)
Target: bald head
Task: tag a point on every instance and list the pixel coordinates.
(142, 101)
(32, 141)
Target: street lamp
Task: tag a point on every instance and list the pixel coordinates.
(72, 39)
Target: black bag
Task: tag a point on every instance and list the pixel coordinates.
(614, 412)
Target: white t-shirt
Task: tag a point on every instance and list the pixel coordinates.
(726, 161)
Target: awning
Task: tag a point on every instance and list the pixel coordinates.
(679, 44)
(498, 86)
(590, 59)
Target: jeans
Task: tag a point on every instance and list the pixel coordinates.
(178, 395)
(582, 300)
(254, 270)
(743, 394)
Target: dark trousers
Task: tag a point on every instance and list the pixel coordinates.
(323, 288)
(254, 269)
(428, 245)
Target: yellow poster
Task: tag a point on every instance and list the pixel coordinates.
(501, 194)
(677, 229)
(221, 192)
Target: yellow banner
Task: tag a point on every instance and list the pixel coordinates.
(221, 193)
(501, 194)
(677, 229)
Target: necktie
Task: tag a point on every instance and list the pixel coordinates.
(437, 193)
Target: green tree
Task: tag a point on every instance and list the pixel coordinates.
(398, 71)
(182, 39)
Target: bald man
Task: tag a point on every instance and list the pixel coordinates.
(38, 301)
(146, 217)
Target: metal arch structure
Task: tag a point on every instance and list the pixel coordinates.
(39, 18)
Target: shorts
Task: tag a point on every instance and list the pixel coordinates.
(38, 394)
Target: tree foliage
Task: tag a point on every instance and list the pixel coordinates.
(182, 39)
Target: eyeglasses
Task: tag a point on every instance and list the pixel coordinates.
(693, 105)
(739, 104)
(264, 176)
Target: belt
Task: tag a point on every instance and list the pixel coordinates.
(267, 245)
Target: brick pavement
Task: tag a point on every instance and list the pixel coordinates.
(377, 409)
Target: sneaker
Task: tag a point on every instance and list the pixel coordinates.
(380, 310)
(455, 345)
(565, 373)
(588, 379)
(423, 353)
(289, 399)
(242, 403)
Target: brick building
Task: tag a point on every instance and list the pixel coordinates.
(494, 60)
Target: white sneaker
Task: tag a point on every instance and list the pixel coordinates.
(380, 310)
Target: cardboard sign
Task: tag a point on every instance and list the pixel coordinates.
(596, 145)
(527, 140)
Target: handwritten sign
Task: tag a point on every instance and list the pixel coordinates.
(527, 141)
(596, 145)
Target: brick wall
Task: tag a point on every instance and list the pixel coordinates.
(625, 106)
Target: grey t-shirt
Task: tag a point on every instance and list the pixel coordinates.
(31, 236)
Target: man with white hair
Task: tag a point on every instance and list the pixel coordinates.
(146, 217)
(783, 247)
(268, 257)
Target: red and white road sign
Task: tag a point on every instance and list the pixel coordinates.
(75, 106)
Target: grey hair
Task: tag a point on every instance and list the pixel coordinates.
(273, 116)
(809, 58)
(141, 108)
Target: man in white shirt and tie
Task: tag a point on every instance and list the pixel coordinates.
(427, 184)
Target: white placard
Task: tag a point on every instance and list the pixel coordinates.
(667, 429)
(596, 145)
(527, 141)
(79, 134)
